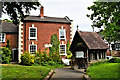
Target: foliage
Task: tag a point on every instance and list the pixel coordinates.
(114, 60)
(8, 44)
(54, 50)
(38, 57)
(25, 72)
(106, 14)
(9, 21)
(18, 10)
(5, 53)
(69, 54)
(104, 71)
(27, 59)
(42, 58)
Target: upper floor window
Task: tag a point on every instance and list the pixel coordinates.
(32, 49)
(62, 49)
(2, 37)
(62, 34)
(32, 33)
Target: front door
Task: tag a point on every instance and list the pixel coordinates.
(15, 55)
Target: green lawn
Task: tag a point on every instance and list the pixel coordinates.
(106, 70)
(20, 71)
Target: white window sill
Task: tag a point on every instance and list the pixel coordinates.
(33, 38)
(2, 42)
(63, 54)
(62, 39)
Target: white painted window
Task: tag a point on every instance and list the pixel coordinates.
(32, 33)
(62, 49)
(2, 37)
(32, 49)
(62, 34)
(79, 54)
(118, 46)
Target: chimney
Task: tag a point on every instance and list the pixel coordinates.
(42, 12)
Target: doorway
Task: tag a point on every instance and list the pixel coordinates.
(15, 55)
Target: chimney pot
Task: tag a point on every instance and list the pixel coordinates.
(42, 12)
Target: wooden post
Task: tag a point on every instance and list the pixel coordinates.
(97, 56)
(87, 58)
(105, 55)
(92, 56)
(101, 55)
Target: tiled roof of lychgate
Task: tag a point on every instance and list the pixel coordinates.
(48, 19)
(6, 27)
(93, 40)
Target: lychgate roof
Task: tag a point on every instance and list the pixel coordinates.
(48, 19)
(93, 40)
(6, 27)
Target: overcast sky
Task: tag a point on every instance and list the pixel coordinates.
(76, 10)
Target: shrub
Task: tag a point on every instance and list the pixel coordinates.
(54, 50)
(8, 44)
(6, 55)
(51, 63)
(27, 59)
(38, 57)
(42, 58)
(114, 60)
(69, 54)
(118, 60)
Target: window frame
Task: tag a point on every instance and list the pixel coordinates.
(64, 34)
(33, 45)
(117, 46)
(2, 40)
(60, 49)
(35, 35)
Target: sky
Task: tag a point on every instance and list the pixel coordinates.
(76, 10)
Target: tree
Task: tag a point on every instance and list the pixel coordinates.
(8, 44)
(106, 14)
(17, 10)
(69, 54)
(54, 50)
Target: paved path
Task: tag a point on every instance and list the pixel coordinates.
(67, 74)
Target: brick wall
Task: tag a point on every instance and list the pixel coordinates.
(12, 40)
(44, 32)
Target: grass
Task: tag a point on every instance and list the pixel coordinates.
(21, 71)
(104, 70)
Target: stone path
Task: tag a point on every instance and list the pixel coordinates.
(67, 74)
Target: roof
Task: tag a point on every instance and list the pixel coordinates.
(93, 40)
(48, 19)
(8, 27)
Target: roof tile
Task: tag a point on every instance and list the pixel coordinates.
(93, 40)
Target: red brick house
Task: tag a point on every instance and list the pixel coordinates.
(8, 31)
(35, 33)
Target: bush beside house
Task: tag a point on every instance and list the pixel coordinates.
(27, 59)
(42, 58)
(6, 55)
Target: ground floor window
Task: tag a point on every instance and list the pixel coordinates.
(62, 49)
(118, 46)
(32, 49)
